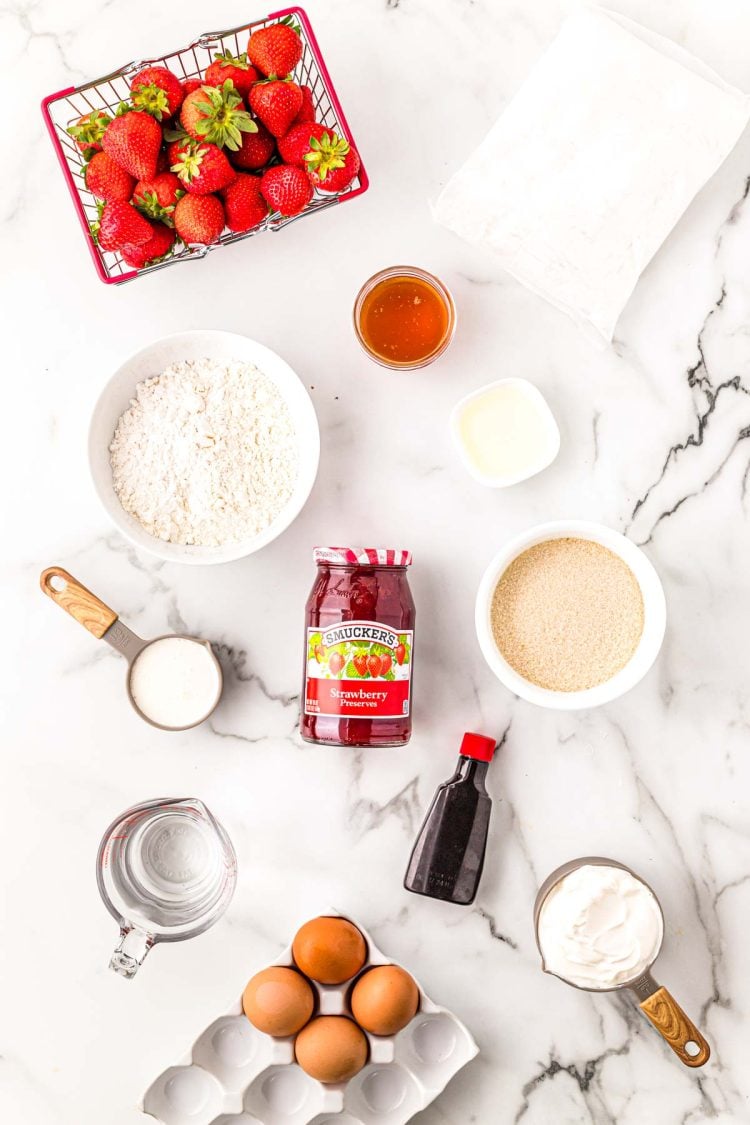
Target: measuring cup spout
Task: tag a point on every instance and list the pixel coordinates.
(131, 952)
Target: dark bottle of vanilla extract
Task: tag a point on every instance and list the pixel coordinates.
(448, 855)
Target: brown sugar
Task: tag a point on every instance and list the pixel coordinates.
(567, 614)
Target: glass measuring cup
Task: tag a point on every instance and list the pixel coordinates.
(103, 623)
(166, 871)
(656, 1003)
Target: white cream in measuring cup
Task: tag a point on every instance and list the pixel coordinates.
(599, 927)
(174, 682)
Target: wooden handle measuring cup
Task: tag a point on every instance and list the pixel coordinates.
(676, 1028)
(75, 599)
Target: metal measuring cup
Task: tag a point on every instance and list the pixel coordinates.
(103, 623)
(656, 1003)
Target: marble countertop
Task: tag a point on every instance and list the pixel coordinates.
(654, 443)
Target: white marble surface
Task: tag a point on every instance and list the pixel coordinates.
(654, 443)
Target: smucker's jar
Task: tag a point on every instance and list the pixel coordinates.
(359, 644)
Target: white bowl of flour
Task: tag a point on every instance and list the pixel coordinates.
(203, 447)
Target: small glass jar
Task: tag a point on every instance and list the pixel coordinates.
(404, 317)
(359, 646)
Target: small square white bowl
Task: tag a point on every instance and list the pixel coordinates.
(547, 423)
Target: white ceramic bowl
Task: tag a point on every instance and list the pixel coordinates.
(654, 606)
(152, 360)
(547, 427)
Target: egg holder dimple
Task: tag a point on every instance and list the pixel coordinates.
(234, 1074)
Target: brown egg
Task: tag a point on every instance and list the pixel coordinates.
(384, 1000)
(329, 950)
(278, 1001)
(331, 1049)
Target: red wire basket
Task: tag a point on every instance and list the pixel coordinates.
(65, 108)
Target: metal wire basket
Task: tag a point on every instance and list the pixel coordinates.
(65, 108)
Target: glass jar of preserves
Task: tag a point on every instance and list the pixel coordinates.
(359, 647)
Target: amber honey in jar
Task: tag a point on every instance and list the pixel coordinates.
(358, 649)
(404, 317)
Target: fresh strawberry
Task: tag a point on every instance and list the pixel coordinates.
(134, 140)
(217, 115)
(386, 660)
(287, 189)
(191, 84)
(120, 225)
(203, 168)
(400, 654)
(244, 206)
(332, 163)
(276, 49)
(335, 662)
(255, 151)
(156, 198)
(106, 179)
(276, 104)
(157, 91)
(89, 130)
(234, 67)
(295, 145)
(373, 665)
(199, 218)
(360, 664)
(307, 113)
(158, 246)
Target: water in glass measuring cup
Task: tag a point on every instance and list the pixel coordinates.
(166, 871)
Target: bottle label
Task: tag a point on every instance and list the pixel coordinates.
(359, 669)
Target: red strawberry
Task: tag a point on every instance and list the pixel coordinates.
(400, 654)
(106, 179)
(286, 188)
(134, 141)
(199, 218)
(158, 246)
(373, 665)
(157, 198)
(244, 206)
(121, 224)
(295, 145)
(307, 113)
(386, 660)
(235, 68)
(191, 84)
(276, 49)
(335, 662)
(255, 151)
(276, 104)
(332, 163)
(203, 168)
(89, 130)
(217, 115)
(157, 91)
(360, 663)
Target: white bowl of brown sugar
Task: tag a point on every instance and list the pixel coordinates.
(570, 615)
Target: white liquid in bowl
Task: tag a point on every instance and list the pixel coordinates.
(505, 432)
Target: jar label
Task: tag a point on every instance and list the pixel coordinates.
(360, 669)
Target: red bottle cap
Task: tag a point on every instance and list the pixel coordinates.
(362, 556)
(477, 746)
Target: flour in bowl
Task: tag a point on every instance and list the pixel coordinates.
(206, 454)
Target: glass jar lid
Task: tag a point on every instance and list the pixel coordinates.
(362, 556)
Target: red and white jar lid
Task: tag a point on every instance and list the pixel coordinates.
(362, 556)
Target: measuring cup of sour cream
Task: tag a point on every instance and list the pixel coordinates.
(174, 681)
(600, 927)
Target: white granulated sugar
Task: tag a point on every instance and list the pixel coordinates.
(206, 454)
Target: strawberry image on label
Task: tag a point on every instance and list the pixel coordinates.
(367, 672)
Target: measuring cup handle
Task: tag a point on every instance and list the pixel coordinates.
(680, 1032)
(131, 952)
(76, 600)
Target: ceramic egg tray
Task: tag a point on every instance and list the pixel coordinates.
(235, 1075)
